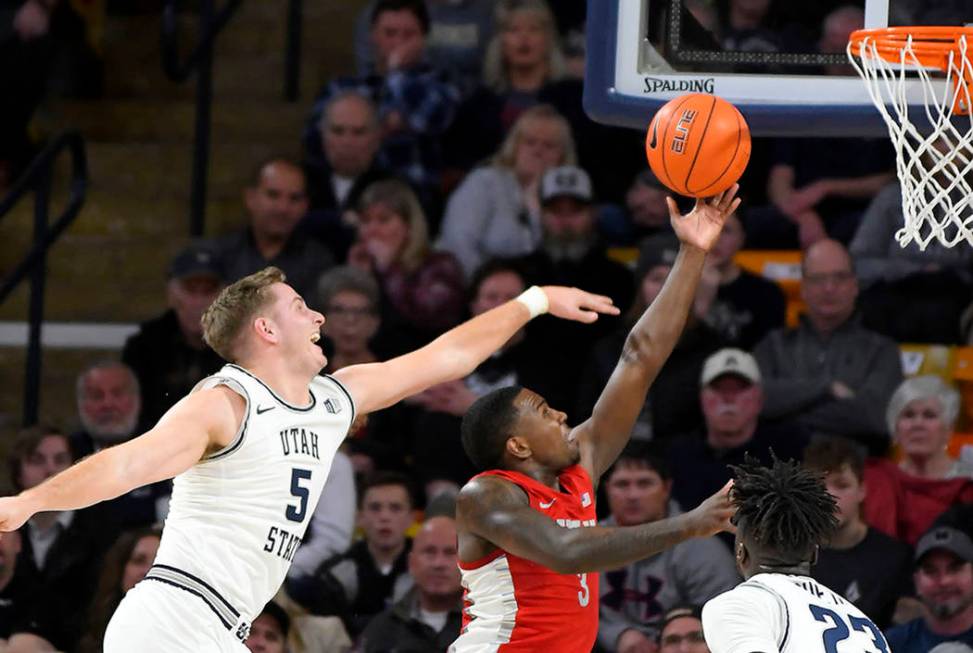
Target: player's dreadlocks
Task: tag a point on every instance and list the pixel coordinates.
(784, 508)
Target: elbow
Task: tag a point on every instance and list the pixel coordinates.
(639, 349)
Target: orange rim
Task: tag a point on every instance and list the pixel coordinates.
(931, 45)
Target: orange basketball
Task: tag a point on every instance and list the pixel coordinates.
(698, 145)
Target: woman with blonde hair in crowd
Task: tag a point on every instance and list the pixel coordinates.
(423, 290)
(522, 58)
(495, 212)
(904, 498)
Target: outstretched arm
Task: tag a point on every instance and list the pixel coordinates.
(205, 420)
(653, 337)
(457, 352)
(498, 512)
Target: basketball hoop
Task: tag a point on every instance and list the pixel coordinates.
(934, 145)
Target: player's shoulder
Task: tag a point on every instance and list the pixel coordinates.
(488, 492)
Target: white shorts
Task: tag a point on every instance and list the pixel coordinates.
(158, 618)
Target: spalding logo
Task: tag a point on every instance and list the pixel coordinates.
(659, 85)
(682, 131)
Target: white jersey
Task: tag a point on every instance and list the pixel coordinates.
(781, 613)
(237, 517)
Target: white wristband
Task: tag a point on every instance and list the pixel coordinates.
(535, 300)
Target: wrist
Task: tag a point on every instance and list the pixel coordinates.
(535, 300)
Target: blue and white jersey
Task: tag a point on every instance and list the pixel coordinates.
(783, 613)
(237, 517)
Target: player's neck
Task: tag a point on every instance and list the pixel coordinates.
(543, 476)
(849, 535)
(959, 623)
(292, 388)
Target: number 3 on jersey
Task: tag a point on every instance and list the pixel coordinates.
(839, 629)
(584, 596)
(300, 492)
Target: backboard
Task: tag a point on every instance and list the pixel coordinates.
(781, 62)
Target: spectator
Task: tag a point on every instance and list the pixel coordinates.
(275, 201)
(350, 298)
(333, 522)
(11, 596)
(830, 374)
(904, 499)
(731, 394)
(109, 408)
(645, 215)
(109, 405)
(521, 59)
(424, 289)
(570, 255)
(459, 31)
(682, 631)
(438, 455)
(822, 186)
(416, 102)
(126, 563)
(168, 355)
(372, 574)
(350, 136)
(672, 405)
(944, 582)
(495, 212)
(746, 26)
(268, 632)
(860, 563)
(62, 551)
(428, 618)
(746, 305)
(636, 598)
(933, 283)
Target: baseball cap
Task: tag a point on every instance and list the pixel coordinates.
(566, 181)
(730, 361)
(947, 538)
(198, 259)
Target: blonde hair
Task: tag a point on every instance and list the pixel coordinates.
(228, 316)
(399, 198)
(495, 74)
(507, 154)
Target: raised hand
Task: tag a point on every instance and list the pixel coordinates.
(577, 305)
(701, 226)
(713, 515)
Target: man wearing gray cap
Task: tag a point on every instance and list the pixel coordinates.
(731, 395)
(570, 255)
(168, 354)
(944, 583)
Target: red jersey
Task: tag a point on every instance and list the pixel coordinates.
(512, 604)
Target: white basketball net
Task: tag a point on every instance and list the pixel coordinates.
(934, 159)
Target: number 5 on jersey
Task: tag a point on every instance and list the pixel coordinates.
(301, 492)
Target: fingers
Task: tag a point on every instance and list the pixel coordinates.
(673, 207)
(725, 200)
(599, 303)
(586, 316)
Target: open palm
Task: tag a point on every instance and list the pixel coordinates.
(701, 227)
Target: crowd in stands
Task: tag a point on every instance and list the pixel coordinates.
(450, 171)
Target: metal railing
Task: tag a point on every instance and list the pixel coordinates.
(200, 60)
(37, 180)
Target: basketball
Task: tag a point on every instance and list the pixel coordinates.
(698, 145)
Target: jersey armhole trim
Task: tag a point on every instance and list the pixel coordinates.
(351, 400)
(237, 387)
